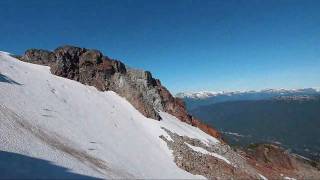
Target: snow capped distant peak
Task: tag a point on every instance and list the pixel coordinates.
(198, 95)
(204, 94)
(317, 89)
(280, 90)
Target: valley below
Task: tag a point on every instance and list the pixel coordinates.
(288, 119)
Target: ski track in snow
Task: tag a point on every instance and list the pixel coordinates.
(98, 134)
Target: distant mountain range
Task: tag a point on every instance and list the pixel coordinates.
(196, 99)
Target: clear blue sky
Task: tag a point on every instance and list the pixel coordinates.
(189, 44)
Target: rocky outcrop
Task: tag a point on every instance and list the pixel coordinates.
(39, 56)
(91, 67)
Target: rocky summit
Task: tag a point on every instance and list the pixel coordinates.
(91, 67)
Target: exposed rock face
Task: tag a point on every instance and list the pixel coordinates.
(39, 56)
(91, 67)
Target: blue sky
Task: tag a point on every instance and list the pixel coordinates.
(190, 45)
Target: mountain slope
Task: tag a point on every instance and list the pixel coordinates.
(78, 127)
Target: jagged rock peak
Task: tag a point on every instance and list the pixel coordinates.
(91, 67)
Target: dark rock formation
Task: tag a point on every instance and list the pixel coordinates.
(91, 67)
(39, 56)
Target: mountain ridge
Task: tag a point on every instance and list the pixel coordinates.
(91, 67)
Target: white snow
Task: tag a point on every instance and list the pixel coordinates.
(198, 95)
(289, 178)
(203, 151)
(262, 177)
(234, 134)
(89, 132)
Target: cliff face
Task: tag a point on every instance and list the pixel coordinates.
(91, 67)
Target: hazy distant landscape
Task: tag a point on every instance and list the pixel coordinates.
(291, 121)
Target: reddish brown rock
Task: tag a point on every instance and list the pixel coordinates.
(276, 163)
(206, 128)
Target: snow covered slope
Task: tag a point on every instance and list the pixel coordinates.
(58, 128)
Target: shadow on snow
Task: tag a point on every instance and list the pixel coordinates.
(17, 166)
(6, 79)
